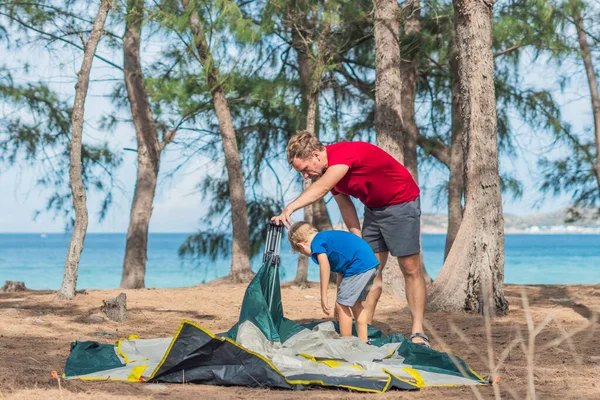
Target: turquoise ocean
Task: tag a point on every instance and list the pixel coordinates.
(38, 260)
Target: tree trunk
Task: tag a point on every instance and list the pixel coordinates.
(472, 277)
(306, 71)
(592, 80)
(409, 130)
(388, 85)
(321, 219)
(388, 112)
(393, 279)
(116, 308)
(240, 260)
(301, 278)
(456, 177)
(392, 122)
(13, 286)
(148, 151)
(69, 283)
(302, 269)
(310, 90)
(310, 71)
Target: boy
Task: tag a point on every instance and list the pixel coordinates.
(352, 259)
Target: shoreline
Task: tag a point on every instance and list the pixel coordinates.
(594, 231)
(218, 282)
(424, 230)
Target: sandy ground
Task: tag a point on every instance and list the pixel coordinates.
(36, 330)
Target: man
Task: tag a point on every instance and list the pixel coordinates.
(392, 208)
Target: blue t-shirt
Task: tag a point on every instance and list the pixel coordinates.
(347, 253)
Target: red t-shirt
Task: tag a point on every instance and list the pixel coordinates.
(375, 177)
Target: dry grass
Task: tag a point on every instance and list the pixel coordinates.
(528, 347)
(545, 348)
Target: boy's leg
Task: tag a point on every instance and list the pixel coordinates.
(345, 320)
(375, 293)
(360, 316)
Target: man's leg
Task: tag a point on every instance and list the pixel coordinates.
(416, 291)
(375, 293)
(345, 319)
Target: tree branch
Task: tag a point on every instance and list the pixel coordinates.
(52, 36)
(508, 50)
(436, 148)
(366, 88)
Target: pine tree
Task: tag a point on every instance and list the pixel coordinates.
(67, 290)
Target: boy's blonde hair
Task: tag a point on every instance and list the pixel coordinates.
(302, 145)
(299, 232)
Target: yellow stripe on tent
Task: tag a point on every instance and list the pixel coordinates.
(136, 373)
(415, 374)
(122, 353)
(329, 362)
(398, 378)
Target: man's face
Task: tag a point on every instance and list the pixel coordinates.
(312, 167)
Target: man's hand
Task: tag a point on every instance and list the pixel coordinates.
(284, 218)
(325, 306)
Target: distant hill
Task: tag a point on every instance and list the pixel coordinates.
(553, 222)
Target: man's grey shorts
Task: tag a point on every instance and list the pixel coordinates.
(396, 228)
(356, 287)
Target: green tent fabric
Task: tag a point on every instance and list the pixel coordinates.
(89, 357)
(262, 290)
(265, 349)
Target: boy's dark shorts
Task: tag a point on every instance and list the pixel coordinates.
(396, 228)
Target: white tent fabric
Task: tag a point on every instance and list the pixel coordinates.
(322, 351)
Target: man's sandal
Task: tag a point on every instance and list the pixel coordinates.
(421, 336)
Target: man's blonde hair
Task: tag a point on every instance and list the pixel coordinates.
(301, 145)
(299, 232)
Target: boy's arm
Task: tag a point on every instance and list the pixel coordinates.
(349, 214)
(325, 272)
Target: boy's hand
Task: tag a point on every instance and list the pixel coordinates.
(325, 306)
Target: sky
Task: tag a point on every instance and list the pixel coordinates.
(179, 207)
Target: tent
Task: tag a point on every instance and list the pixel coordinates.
(265, 349)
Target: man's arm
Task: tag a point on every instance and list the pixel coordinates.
(316, 191)
(349, 214)
(325, 271)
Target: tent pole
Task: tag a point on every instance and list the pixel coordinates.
(275, 259)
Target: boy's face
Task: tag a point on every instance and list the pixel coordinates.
(304, 248)
(312, 167)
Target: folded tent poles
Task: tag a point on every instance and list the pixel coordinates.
(272, 249)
